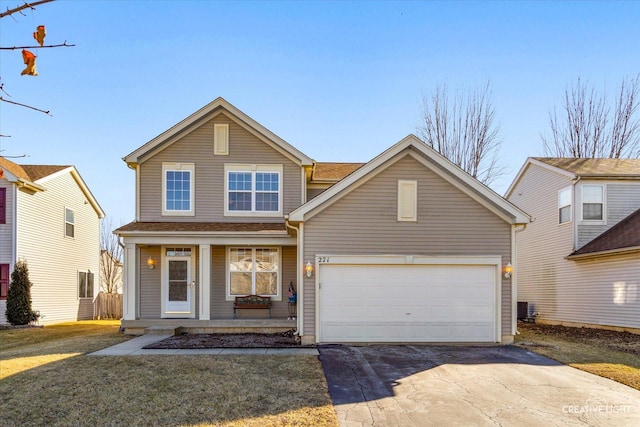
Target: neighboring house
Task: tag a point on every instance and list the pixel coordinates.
(50, 219)
(579, 260)
(404, 248)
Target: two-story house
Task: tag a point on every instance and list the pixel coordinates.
(406, 247)
(50, 219)
(579, 260)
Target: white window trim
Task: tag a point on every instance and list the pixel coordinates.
(67, 222)
(192, 185)
(602, 221)
(220, 139)
(570, 205)
(229, 296)
(253, 168)
(407, 192)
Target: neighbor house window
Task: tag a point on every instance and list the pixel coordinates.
(178, 183)
(407, 200)
(593, 202)
(253, 271)
(4, 281)
(85, 284)
(253, 189)
(69, 223)
(564, 205)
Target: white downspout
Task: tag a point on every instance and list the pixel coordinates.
(514, 275)
(299, 275)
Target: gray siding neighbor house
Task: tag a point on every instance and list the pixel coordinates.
(404, 248)
(579, 260)
(49, 218)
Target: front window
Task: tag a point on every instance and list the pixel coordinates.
(564, 205)
(254, 271)
(253, 189)
(178, 185)
(593, 202)
(69, 223)
(85, 284)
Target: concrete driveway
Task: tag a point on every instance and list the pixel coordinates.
(469, 386)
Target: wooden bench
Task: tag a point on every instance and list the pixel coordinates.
(252, 302)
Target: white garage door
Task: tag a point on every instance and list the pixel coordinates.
(407, 303)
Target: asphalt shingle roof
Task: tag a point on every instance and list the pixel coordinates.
(625, 234)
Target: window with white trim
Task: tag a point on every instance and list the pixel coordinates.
(592, 202)
(253, 271)
(407, 200)
(69, 223)
(178, 183)
(253, 190)
(564, 205)
(85, 284)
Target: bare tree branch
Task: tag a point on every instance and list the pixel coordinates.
(24, 6)
(25, 105)
(463, 130)
(588, 128)
(110, 258)
(65, 44)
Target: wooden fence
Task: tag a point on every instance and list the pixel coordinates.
(107, 306)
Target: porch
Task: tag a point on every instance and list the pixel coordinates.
(195, 326)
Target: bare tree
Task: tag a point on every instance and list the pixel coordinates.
(462, 128)
(110, 258)
(588, 126)
(28, 57)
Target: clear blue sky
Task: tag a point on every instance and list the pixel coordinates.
(341, 81)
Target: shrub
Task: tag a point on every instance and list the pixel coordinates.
(19, 310)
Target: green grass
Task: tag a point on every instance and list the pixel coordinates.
(47, 379)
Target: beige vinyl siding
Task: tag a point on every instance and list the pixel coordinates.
(6, 239)
(542, 246)
(222, 309)
(313, 192)
(364, 222)
(559, 289)
(197, 147)
(621, 200)
(53, 259)
(150, 286)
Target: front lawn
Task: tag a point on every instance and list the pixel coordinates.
(47, 379)
(609, 354)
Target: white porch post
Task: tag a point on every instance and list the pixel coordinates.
(205, 282)
(129, 282)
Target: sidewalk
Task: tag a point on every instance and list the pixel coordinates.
(134, 347)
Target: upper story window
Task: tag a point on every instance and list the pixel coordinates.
(564, 205)
(69, 223)
(178, 183)
(253, 190)
(592, 202)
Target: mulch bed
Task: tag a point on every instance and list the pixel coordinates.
(251, 340)
(617, 341)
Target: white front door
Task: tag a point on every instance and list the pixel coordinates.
(179, 289)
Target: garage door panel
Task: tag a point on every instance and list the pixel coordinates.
(407, 303)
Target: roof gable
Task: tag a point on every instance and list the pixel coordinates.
(430, 158)
(206, 113)
(623, 236)
(581, 167)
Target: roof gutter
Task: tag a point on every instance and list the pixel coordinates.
(28, 185)
(599, 254)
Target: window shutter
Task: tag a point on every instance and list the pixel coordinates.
(220, 139)
(4, 281)
(3, 205)
(407, 200)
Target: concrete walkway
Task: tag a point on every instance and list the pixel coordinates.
(134, 347)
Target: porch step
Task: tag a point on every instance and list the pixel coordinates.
(163, 330)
